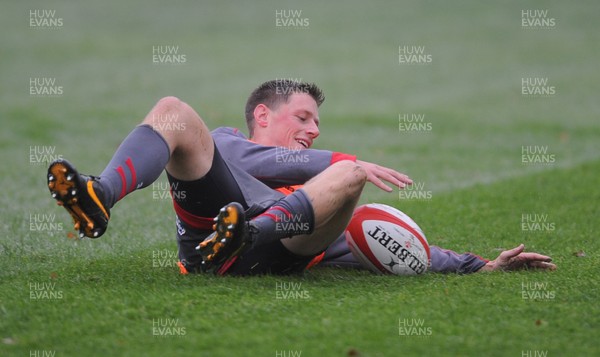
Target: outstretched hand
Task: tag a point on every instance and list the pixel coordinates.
(378, 174)
(516, 259)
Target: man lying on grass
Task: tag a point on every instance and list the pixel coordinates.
(245, 184)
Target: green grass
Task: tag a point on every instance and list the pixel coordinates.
(110, 300)
(110, 292)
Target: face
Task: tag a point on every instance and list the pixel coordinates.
(294, 125)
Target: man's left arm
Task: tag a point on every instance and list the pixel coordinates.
(448, 261)
(517, 259)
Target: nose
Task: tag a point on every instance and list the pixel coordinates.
(313, 130)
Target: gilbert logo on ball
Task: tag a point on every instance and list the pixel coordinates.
(387, 241)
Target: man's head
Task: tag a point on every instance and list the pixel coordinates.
(284, 113)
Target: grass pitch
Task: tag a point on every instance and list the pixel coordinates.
(497, 168)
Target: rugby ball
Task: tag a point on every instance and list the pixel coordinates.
(387, 241)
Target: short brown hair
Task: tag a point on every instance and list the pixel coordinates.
(277, 91)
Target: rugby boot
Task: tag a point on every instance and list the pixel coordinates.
(81, 195)
(230, 238)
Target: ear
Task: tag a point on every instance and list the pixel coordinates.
(261, 115)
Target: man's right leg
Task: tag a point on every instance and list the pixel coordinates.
(185, 149)
(333, 194)
(313, 217)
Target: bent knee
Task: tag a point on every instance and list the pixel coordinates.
(170, 110)
(351, 173)
(168, 103)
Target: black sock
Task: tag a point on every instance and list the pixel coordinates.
(139, 161)
(293, 215)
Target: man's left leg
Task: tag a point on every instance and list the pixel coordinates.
(140, 159)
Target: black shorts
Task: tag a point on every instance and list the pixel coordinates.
(197, 202)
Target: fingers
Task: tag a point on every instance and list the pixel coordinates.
(520, 260)
(378, 174)
(515, 259)
(537, 261)
(511, 253)
(542, 265)
(534, 257)
(377, 182)
(400, 177)
(392, 176)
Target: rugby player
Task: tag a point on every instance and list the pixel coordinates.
(280, 206)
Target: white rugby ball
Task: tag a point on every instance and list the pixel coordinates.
(387, 241)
